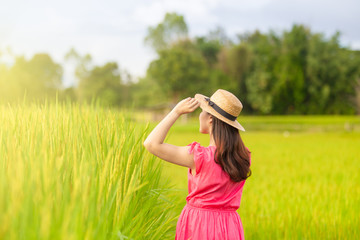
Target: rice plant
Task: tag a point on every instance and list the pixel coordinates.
(70, 171)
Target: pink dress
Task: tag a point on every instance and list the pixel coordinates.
(210, 210)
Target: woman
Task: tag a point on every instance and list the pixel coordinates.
(216, 174)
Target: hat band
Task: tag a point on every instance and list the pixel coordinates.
(219, 110)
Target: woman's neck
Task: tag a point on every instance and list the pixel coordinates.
(212, 141)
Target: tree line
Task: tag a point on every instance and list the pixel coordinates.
(295, 71)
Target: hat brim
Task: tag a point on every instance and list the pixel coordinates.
(205, 106)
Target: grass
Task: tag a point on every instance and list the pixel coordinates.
(79, 172)
(304, 185)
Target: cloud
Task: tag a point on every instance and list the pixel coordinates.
(195, 11)
(245, 5)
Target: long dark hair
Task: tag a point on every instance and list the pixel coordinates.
(230, 153)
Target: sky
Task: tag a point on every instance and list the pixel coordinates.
(114, 30)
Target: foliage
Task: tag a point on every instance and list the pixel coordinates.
(211, 44)
(102, 82)
(180, 71)
(299, 73)
(171, 29)
(37, 78)
(293, 72)
(145, 91)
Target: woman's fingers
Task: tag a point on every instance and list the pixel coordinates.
(192, 103)
(195, 104)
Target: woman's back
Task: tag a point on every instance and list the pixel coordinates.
(211, 187)
(210, 212)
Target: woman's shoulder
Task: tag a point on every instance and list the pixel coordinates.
(200, 151)
(195, 147)
(194, 143)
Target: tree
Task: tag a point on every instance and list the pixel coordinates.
(102, 82)
(37, 78)
(235, 62)
(180, 71)
(83, 64)
(147, 93)
(264, 51)
(290, 87)
(172, 29)
(289, 72)
(208, 49)
(297, 72)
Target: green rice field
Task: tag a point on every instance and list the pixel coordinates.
(70, 171)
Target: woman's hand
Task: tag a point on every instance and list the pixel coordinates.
(186, 105)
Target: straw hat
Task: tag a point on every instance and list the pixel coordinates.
(224, 105)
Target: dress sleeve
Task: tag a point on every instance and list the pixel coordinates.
(198, 155)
